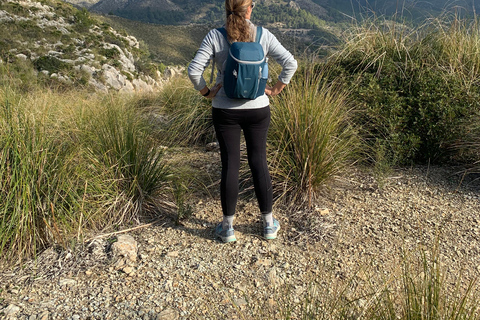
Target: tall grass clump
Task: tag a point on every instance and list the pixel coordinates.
(119, 140)
(311, 135)
(414, 106)
(40, 190)
(425, 294)
(454, 45)
(188, 115)
(71, 164)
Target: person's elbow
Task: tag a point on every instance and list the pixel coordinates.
(293, 65)
(191, 70)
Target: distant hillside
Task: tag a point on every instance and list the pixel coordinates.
(410, 10)
(178, 44)
(173, 29)
(167, 44)
(300, 13)
(294, 13)
(144, 6)
(53, 42)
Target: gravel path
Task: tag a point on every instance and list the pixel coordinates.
(357, 233)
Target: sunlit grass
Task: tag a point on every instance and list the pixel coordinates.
(70, 164)
(311, 136)
(188, 115)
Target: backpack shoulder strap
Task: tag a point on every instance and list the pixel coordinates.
(259, 34)
(224, 32)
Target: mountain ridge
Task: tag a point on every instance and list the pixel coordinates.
(107, 6)
(202, 11)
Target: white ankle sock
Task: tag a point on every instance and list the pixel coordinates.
(227, 222)
(267, 219)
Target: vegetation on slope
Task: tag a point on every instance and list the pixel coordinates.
(417, 88)
(167, 44)
(54, 43)
(73, 163)
(398, 95)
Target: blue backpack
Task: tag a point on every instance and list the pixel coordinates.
(246, 69)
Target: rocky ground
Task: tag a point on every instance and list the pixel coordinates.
(353, 241)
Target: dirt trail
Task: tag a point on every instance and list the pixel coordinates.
(358, 233)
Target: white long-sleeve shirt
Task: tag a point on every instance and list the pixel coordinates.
(215, 46)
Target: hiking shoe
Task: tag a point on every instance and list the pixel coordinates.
(225, 235)
(270, 232)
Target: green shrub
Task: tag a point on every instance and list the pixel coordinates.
(414, 106)
(69, 50)
(147, 68)
(161, 67)
(51, 64)
(83, 21)
(111, 53)
(15, 8)
(418, 115)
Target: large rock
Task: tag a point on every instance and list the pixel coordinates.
(128, 88)
(125, 57)
(86, 68)
(97, 85)
(167, 314)
(11, 310)
(113, 77)
(171, 72)
(125, 247)
(5, 16)
(141, 86)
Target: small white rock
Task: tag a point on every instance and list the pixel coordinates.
(11, 310)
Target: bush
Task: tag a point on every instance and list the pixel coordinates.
(419, 115)
(83, 21)
(51, 64)
(111, 53)
(414, 106)
(147, 68)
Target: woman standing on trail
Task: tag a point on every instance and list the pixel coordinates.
(230, 116)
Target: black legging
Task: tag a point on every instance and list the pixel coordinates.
(228, 124)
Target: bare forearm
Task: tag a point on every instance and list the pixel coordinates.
(276, 89)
